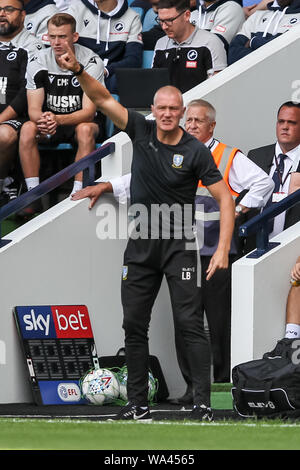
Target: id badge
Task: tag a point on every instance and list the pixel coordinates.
(277, 197)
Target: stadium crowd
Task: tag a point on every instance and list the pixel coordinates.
(194, 40)
(43, 103)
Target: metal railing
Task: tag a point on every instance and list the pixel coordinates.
(86, 165)
(260, 225)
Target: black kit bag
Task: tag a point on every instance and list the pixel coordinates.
(269, 386)
(118, 361)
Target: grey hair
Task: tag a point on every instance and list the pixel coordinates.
(211, 111)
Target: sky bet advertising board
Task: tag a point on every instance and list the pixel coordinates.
(59, 349)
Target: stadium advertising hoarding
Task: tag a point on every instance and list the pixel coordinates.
(59, 348)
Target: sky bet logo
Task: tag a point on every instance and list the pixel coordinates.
(63, 321)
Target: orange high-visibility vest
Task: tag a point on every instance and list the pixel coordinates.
(207, 213)
(223, 157)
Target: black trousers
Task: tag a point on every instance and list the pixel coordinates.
(216, 303)
(145, 264)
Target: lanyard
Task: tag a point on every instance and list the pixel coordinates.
(211, 144)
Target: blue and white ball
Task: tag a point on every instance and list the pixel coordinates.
(100, 386)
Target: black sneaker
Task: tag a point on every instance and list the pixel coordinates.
(201, 413)
(133, 412)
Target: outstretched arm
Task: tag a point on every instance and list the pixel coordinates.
(97, 93)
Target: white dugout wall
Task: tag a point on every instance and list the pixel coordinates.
(58, 257)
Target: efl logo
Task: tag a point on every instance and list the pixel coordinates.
(63, 321)
(68, 392)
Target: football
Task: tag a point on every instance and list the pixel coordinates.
(122, 377)
(100, 386)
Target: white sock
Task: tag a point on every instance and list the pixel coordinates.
(76, 186)
(292, 330)
(32, 182)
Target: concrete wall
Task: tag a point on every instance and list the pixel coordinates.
(259, 294)
(58, 259)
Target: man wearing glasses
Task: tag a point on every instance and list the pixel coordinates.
(190, 54)
(16, 46)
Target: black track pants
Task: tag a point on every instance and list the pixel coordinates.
(145, 263)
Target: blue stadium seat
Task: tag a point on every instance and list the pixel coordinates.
(149, 20)
(147, 59)
(140, 11)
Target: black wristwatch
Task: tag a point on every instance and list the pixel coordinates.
(80, 70)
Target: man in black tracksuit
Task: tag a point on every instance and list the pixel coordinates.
(166, 167)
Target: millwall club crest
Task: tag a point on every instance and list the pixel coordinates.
(177, 161)
(125, 273)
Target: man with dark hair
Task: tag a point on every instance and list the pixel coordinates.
(279, 159)
(166, 166)
(59, 111)
(16, 45)
(191, 54)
